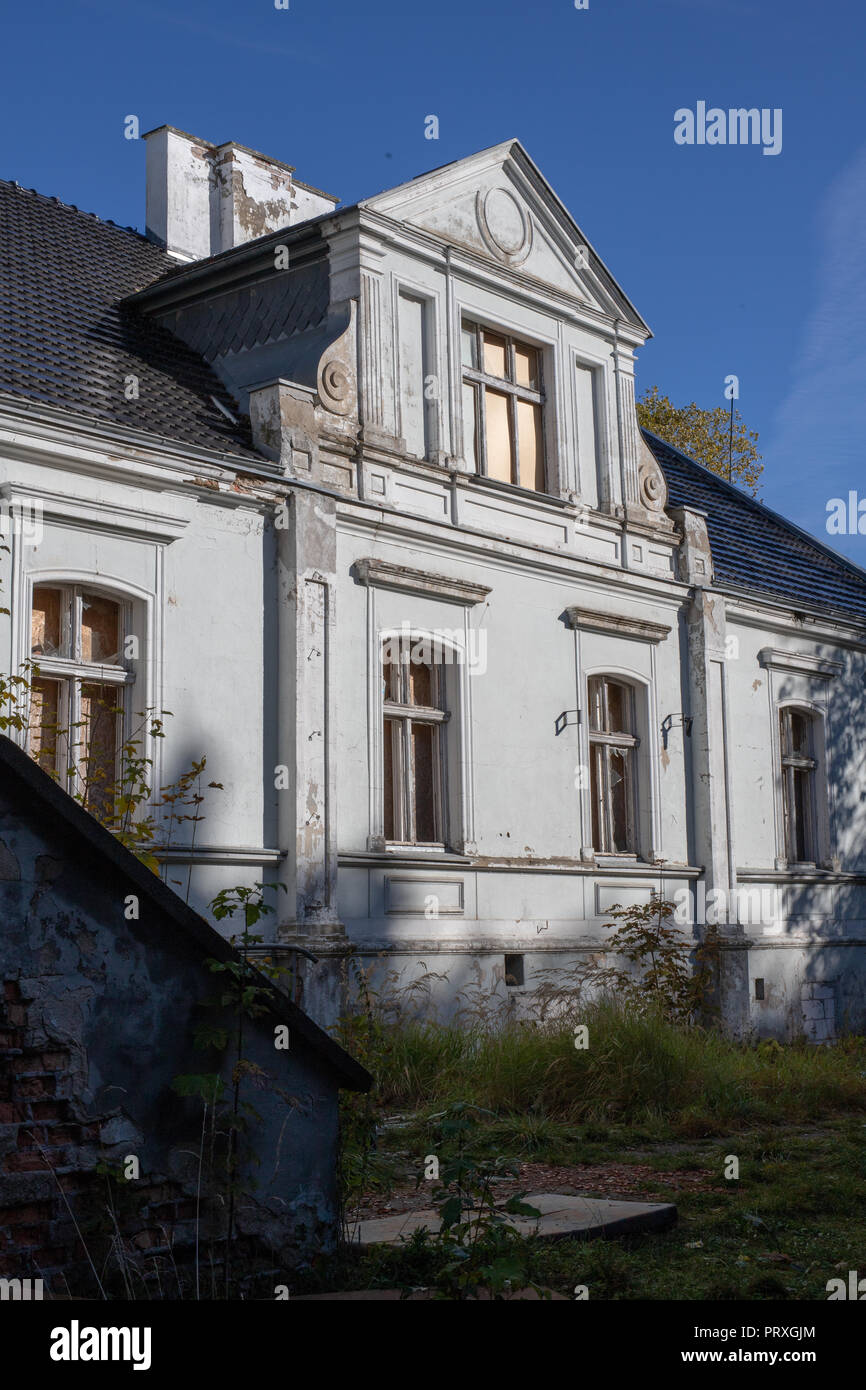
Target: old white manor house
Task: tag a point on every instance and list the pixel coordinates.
(473, 658)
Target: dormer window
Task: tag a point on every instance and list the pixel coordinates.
(502, 407)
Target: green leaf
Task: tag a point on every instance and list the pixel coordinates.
(207, 1086)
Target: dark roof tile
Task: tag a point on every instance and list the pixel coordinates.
(755, 548)
(66, 341)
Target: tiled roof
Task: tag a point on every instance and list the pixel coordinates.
(755, 548)
(65, 341)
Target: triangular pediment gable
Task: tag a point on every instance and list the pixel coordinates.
(498, 205)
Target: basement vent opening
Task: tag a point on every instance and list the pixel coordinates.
(759, 989)
(514, 971)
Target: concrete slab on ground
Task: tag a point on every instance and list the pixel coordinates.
(587, 1218)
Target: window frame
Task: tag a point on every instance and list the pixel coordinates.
(72, 673)
(481, 381)
(403, 714)
(789, 764)
(602, 744)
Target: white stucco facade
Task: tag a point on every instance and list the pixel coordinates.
(262, 591)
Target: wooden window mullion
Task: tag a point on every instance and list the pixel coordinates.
(608, 833)
(410, 782)
(500, 383)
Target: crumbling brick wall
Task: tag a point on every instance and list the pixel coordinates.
(54, 1203)
(97, 1019)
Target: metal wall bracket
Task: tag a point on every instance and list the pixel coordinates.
(563, 720)
(686, 721)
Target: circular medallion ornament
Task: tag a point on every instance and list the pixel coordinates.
(653, 489)
(336, 388)
(505, 227)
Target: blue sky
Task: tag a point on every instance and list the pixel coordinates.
(741, 262)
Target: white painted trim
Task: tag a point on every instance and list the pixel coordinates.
(84, 513)
(800, 663)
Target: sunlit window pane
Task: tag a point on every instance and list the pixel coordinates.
(420, 684)
(470, 425)
(44, 715)
(495, 356)
(526, 366)
(469, 345)
(499, 447)
(99, 738)
(530, 451)
(45, 622)
(100, 629)
(596, 707)
(390, 679)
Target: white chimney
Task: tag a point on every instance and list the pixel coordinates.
(203, 198)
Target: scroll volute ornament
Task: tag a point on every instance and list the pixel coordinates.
(652, 486)
(336, 379)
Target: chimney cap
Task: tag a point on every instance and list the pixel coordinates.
(226, 145)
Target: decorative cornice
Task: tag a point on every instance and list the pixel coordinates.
(87, 513)
(639, 628)
(800, 663)
(382, 575)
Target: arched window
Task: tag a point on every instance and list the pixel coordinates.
(612, 772)
(798, 749)
(415, 715)
(77, 699)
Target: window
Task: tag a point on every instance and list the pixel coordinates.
(612, 751)
(413, 684)
(799, 764)
(502, 407)
(76, 703)
(514, 974)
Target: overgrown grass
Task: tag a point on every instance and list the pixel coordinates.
(635, 1070)
(644, 1091)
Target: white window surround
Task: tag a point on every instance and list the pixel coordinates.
(805, 680)
(458, 793)
(407, 716)
(132, 523)
(613, 738)
(821, 808)
(647, 791)
(138, 618)
(550, 354)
